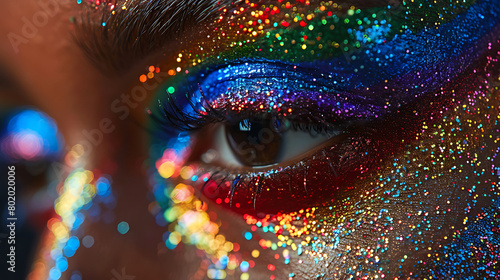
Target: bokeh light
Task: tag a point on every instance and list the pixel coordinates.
(30, 135)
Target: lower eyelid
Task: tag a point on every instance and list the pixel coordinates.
(300, 185)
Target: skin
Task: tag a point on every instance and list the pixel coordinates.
(78, 97)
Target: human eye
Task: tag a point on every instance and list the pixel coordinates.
(261, 143)
(291, 158)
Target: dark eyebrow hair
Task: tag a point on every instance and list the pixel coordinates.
(113, 42)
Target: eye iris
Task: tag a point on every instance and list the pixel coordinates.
(255, 142)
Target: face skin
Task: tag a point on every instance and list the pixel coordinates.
(396, 203)
(78, 97)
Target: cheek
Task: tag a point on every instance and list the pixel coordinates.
(420, 212)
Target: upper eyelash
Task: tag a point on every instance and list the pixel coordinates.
(174, 118)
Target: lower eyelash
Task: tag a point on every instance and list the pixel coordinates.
(296, 179)
(250, 181)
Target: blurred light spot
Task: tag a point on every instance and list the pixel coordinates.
(54, 274)
(244, 266)
(76, 276)
(62, 264)
(248, 235)
(174, 238)
(88, 241)
(103, 186)
(216, 274)
(71, 246)
(123, 227)
(182, 193)
(186, 172)
(30, 135)
(166, 169)
(255, 253)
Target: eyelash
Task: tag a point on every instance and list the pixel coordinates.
(173, 116)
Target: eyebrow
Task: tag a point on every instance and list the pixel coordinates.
(114, 41)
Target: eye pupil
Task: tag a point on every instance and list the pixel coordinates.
(254, 142)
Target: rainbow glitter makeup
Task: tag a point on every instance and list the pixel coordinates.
(397, 184)
(404, 97)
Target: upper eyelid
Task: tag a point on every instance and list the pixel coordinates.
(430, 58)
(173, 117)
